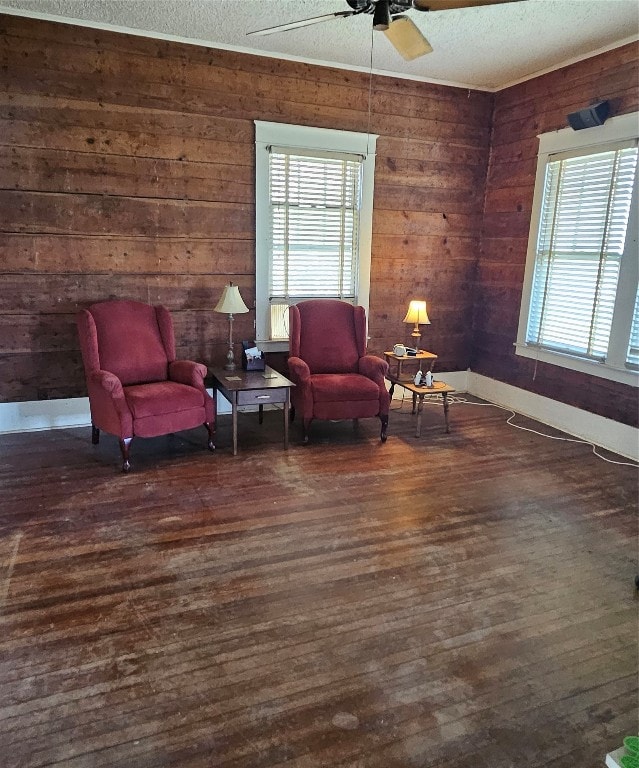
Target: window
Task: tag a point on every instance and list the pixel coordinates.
(580, 293)
(314, 193)
(314, 204)
(632, 356)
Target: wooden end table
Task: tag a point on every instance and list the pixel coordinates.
(253, 388)
(397, 376)
(396, 363)
(419, 393)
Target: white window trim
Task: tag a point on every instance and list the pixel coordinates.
(621, 128)
(306, 137)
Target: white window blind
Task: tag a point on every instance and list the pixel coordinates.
(581, 240)
(632, 358)
(315, 200)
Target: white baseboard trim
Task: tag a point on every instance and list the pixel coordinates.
(37, 415)
(74, 412)
(223, 405)
(611, 435)
(458, 380)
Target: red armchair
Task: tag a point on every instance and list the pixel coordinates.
(334, 377)
(136, 386)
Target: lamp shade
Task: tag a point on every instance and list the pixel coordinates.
(417, 313)
(231, 302)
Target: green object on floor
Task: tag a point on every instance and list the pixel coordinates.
(630, 761)
(631, 743)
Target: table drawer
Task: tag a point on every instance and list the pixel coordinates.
(262, 396)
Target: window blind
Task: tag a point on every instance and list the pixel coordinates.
(314, 211)
(632, 358)
(581, 240)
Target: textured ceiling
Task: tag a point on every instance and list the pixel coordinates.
(486, 47)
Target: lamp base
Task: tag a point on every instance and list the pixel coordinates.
(230, 359)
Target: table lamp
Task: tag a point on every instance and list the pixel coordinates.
(231, 304)
(417, 314)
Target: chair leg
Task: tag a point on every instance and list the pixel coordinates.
(95, 434)
(384, 420)
(305, 428)
(124, 448)
(211, 430)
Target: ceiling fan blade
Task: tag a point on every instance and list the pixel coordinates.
(446, 5)
(302, 23)
(407, 38)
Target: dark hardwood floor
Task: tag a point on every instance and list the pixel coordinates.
(455, 600)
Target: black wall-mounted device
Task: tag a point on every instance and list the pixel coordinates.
(595, 114)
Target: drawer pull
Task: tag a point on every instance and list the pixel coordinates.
(263, 397)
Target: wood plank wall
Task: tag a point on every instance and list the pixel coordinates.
(521, 113)
(127, 170)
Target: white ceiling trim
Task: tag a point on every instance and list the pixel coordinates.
(482, 77)
(234, 48)
(567, 63)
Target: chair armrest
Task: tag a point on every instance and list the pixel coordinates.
(108, 382)
(302, 393)
(299, 370)
(109, 409)
(187, 372)
(192, 374)
(374, 368)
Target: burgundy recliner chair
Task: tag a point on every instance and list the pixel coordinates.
(136, 386)
(334, 377)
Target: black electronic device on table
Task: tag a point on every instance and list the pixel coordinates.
(252, 362)
(411, 352)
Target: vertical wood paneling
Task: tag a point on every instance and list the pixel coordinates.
(127, 170)
(520, 114)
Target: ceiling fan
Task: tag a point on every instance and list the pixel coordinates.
(388, 18)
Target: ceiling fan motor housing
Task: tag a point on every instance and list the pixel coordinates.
(368, 6)
(363, 6)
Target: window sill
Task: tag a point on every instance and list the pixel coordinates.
(273, 346)
(590, 367)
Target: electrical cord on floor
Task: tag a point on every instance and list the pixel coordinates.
(435, 399)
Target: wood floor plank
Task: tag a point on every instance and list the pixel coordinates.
(344, 604)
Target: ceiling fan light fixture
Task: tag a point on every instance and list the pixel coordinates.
(407, 39)
(381, 16)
